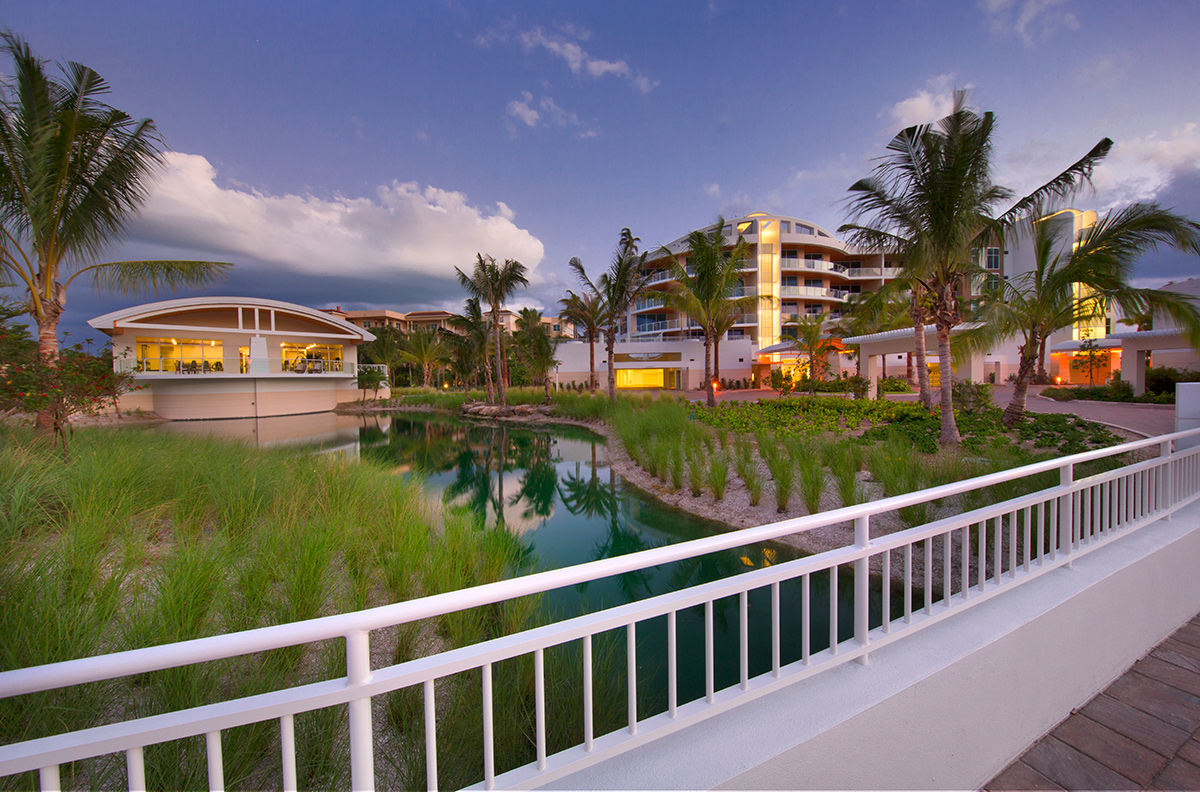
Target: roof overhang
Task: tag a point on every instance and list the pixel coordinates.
(112, 323)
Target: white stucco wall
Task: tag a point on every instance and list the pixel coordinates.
(952, 705)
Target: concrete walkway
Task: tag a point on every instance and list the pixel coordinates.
(1142, 732)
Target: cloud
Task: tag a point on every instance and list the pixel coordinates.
(564, 44)
(405, 232)
(1137, 169)
(712, 190)
(1105, 73)
(545, 113)
(1031, 19)
(928, 105)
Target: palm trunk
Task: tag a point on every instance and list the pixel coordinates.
(1014, 413)
(48, 351)
(717, 357)
(949, 434)
(1041, 364)
(610, 341)
(909, 361)
(711, 398)
(546, 383)
(499, 355)
(918, 317)
(592, 362)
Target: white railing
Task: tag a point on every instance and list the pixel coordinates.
(158, 368)
(380, 367)
(812, 291)
(943, 567)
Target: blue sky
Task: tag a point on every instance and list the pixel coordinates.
(354, 153)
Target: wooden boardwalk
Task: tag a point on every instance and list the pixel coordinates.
(1143, 732)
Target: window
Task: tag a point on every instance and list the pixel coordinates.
(736, 332)
(813, 257)
(814, 309)
(790, 254)
(645, 321)
(803, 229)
(188, 355)
(993, 258)
(310, 357)
(993, 282)
(785, 226)
(789, 280)
(814, 283)
(747, 227)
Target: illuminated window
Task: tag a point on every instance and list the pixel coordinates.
(310, 357)
(173, 355)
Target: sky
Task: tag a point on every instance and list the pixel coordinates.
(353, 154)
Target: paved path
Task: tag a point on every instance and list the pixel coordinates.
(1142, 732)
(1146, 419)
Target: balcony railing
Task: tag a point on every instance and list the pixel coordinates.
(974, 556)
(812, 291)
(646, 303)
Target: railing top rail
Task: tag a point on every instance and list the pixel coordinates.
(154, 658)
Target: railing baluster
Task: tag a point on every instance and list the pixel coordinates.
(431, 763)
(672, 667)
(1012, 544)
(965, 562)
(805, 621)
(929, 576)
(947, 566)
(48, 780)
(631, 673)
(588, 731)
(775, 640)
(216, 768)
(709, 692)
(1027, 516)
(908, 583)
(997, 553)
(885, 594)
(539, 704)
(833, 609)
(744, 638)
(358, 672)
(287, 750)
(489, 735)
(862, 585)
(135, 769)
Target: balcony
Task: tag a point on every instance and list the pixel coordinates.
(813, 291)
(186, 368)
(646, 303)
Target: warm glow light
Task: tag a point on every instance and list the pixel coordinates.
(716, 387)
(445, 386)
(1057, 380)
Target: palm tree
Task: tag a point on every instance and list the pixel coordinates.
(535, 347)
(875, 312)
(469, 345)
(812, 341)
(494, 283)
(587, 312)
(619, 289)
(1033, 305)
(73, 170)
(424, 348)
(931, 201)
(387, 349)
(707, 290)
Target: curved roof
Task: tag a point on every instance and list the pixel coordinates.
(110, 322)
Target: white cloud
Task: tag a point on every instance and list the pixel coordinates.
(406, 230)
(578, 60)
(1106, 72)
(712, 190)
(1138, 168)
(520, 109)
(928, 105)
(1030, 19)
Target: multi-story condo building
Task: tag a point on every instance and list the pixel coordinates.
(802, 266)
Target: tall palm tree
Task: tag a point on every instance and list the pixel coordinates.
(812, 340)
(931, 201)
(424, 348)
(587, 312)
(1033, 305)
(469, 345)
(619, 289)
(535, 347)
(708, 289)
(73, 170)
(387, 349)
(493, 284)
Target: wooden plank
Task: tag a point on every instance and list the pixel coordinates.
(1177, 708)
(1179, 774)
(1168, 673)
(1072, 769)
(1019, 775)
(1188, 633)
(1143, 728)
(1115, 751)
(1181, 654)
(1190, 752)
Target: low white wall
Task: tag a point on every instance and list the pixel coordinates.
(952, 705)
